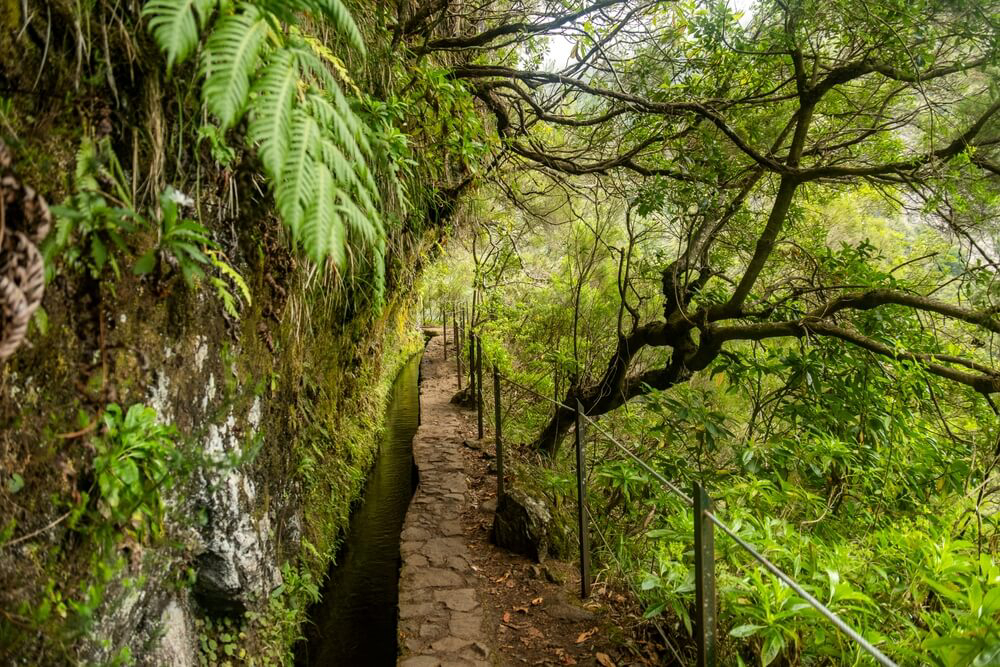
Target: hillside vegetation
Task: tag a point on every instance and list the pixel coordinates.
(758, 243)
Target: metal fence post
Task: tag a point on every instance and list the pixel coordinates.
(472, 364)
(704, 577)
(479, 385)
(581, 505)
(458, 366)
(458, 344)
(497, 434)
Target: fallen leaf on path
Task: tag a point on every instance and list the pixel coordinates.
(506, 617)
(605, 660)
(584, 636)
(537, 601)
(564, 658)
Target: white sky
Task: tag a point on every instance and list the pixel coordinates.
(560, 47)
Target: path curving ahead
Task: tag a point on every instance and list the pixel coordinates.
(440, 615)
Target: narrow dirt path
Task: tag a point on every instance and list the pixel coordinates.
(462, 600)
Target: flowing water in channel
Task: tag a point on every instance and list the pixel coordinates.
(355, 622)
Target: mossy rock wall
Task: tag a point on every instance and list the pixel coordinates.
(277, 411)
(290, 410)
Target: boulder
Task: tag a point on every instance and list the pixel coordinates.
(488, 506)
(464, 398)
(521, 524)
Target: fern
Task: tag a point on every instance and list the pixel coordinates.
(323, 51)
(175, 24)
(345, 127)
(333, 158)
(343, 22)
(222, 288)
(271, 117)
(335, 10)
(230, 59)
(323, 227)
(314, 147)
(293, 191)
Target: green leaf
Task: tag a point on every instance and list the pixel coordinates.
(294, 191)
(772, 647)
(145, 263)
(174, 24)
(98, 252)
(230, 59)
(745, 630)
(343, 22)
(271, 113)
(15, 483)
(322, 226)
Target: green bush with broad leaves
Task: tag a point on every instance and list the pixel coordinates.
(135, 458)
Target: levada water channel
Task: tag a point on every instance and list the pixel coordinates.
(354, 624)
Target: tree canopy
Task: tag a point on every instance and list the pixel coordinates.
(724, 127)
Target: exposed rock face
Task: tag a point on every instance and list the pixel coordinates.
(521, 524)
(176, 645)
(237, 563)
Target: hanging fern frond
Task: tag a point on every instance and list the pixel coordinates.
(343, 22)
(330, 155)
(231, 57)
(378, 265)
(175, 24)
(335, 10)
(314, 146)
(298, 173)
(359, 221)
(323, 52)
(271, 115)
(344, 127)
(322, 225)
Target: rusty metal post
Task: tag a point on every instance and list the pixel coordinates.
(704, 578)
(479, 385)
(497, 434)
(472, 364)
(581, 505)
(458, 344)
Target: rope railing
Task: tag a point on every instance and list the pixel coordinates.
(704, 520)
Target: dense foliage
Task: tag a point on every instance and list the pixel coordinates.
(759, 245)
(762, 245)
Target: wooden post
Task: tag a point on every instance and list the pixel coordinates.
(444, 330)
(479, 385)
(497, 431)
(581, 505)
(704, 578)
